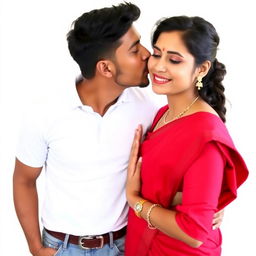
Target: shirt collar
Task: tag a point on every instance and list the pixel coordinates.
(75, 101)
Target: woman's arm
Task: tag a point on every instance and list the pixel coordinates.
(202, 184)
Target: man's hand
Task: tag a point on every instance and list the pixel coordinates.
(217, 219)
(45, 252)
(177, 199)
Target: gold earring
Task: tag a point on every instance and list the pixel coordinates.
(199, 83)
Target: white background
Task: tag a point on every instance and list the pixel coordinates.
(35, 65)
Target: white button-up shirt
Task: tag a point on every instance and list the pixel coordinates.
(85, 157)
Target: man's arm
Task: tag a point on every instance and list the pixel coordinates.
(26, 205)
(217, 218)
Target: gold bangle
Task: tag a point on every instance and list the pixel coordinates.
(148, 215)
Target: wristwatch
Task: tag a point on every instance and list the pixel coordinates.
(138, 207)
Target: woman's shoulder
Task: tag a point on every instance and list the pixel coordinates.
(203, 127)
(205, 119)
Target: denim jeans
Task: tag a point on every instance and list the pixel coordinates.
(115, 248)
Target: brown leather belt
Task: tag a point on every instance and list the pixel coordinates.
(89, 242)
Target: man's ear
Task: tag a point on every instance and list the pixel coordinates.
(105, 68)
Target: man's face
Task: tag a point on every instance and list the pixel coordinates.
(131, 61)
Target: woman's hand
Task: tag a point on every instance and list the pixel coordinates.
(133, 184)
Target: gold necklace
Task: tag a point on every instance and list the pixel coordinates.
(181, 113)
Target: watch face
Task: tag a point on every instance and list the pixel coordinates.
(138, 207)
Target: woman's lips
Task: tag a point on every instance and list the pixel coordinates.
(160, 79)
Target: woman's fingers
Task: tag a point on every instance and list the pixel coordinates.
(134, 151)
(138, 167)
(140, 130)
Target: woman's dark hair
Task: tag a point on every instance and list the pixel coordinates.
(201, 40)
(95, 35)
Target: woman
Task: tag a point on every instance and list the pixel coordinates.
(188, 148)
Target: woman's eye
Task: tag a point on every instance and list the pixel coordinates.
(175, 61)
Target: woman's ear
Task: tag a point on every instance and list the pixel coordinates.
(105, 68)
(204, 68)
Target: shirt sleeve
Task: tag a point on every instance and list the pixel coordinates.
(32, 148)
(201, 190)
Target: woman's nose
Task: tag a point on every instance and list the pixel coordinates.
(160, 65)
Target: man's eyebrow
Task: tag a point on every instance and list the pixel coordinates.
(170, 52)
(135, 43)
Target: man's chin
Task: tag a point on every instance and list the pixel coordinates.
(141, 85)
(144, 84)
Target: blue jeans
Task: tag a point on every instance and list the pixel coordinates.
(114, 248)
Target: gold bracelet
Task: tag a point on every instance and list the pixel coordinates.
(148, 215)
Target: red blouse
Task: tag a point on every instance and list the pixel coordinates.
(195, 155)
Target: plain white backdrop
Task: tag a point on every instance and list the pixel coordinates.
(35, 65)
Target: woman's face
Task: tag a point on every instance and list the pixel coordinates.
(171, 67)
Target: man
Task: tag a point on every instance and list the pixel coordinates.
(85, 146)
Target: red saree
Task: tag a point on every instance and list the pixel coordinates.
(195, 155)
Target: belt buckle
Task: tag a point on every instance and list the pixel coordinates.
(81, 243)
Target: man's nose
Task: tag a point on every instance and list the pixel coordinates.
(145, 53)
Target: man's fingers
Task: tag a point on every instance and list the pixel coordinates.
(216, 225)
(217, 220)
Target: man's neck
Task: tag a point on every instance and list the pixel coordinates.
(99, 95)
